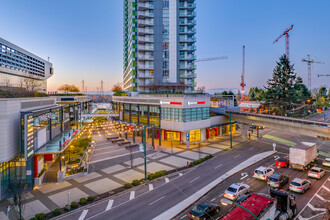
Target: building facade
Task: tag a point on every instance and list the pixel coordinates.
(20, 68)
(159, 45)
(33, 133)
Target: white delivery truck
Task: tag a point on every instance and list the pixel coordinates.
(302, 155)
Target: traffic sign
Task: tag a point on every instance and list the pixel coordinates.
(187, 136)
(141, 148)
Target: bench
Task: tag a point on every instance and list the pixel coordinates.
(111, 138)
(131, 145)
(123, 142)
(117, 140)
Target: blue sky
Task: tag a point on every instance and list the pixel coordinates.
(83, 38)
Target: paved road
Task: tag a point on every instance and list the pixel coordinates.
(149, 204)
(308, 204)
(322, 117)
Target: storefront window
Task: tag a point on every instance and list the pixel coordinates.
(143, 115)
(66, 115)
(154, 115)
(55, 118)
(134, 114)
(126, 112)
(41, 121)
(195, 135)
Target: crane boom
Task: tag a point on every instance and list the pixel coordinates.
(286, 34)
(211, 58)
(309, 62)
(243, 75)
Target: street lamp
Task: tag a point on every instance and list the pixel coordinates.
(226, 202)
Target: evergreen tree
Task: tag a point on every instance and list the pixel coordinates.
(280, 91)
(302, 91)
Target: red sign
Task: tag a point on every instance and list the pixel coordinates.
(175, 103)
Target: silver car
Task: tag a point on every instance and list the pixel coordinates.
(263, 173)
(236, 190)
(299, 185)
(316, 172)
(326, 162)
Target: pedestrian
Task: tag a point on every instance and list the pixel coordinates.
(249, 136)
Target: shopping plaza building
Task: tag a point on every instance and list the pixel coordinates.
(20, 68)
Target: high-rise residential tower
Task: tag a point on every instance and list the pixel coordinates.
(159, 45)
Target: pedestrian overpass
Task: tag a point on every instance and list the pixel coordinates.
(294, 125)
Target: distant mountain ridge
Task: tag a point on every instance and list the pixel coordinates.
(220, 90)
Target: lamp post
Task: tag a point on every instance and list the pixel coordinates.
(230, 130)
(226, 202)
(145, 153)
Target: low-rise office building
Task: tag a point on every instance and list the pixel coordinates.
(23, 69)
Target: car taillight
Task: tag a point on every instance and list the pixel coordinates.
(278, 183)
(299, 188)
(234, 196)
(189, 214)
(196, 217)
(309, 172)
(290, 185)
(263, 175)
(267, 180)
(318, 175)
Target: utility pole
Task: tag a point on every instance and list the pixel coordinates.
(231, 137)
(82, 85)
(309, 62)
(101, 90)
(145, 153)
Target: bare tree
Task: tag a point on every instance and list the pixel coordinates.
(7, 82)
(17, 188)
(68, 88)
(34, 84)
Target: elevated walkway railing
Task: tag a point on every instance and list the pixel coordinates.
(281, 118)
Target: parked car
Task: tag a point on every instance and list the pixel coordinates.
(326, 162)
(236, 190)
(299, 185)
(316, 172)
(263, 173)
(204, 211)
(277, 180)
(282, 162)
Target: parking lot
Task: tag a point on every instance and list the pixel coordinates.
(311, 204)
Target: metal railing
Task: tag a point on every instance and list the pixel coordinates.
(283, 118)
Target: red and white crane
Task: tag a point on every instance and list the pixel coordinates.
(242, 77)
(286, 34)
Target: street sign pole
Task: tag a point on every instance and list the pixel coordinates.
(231, 137)
(145, 153)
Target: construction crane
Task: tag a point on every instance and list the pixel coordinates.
(323, 75)
(309, 69)
(211, 59)
(242, 77)
(286, 34)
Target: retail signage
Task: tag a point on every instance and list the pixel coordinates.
(196, 103)
(45, 117)
(170, 103)
(29, 136)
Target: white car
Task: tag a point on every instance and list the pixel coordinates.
(263, 173)
(236, 190)
(326, 162)
(316, 172)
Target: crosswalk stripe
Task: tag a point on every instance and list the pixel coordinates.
(132, 195)
(110, 203)
(83, 215)
(151, 187)
(167, 180)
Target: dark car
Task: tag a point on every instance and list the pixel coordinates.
(203, 211)
(282, 162)
(277, 180)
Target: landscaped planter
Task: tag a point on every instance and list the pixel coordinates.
(38, 180)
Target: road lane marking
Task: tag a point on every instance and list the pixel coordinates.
(157, 200)
(236, 156)
(320, 197)
(221, 195)
(247, 179)
(151, 187)
(194, 179)
(213, 199)
(132, 195)
(251, 148)
(326, 188)
(167, 180)
(315, 209)
(83, 215)
(180, 174)
(183, 216)
(218, 166)
(110, 203)
(312, 197)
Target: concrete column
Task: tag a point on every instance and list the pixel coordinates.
(203, 134)
(244, 131)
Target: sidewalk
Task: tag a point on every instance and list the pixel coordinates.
(56, 195)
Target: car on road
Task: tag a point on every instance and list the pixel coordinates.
(299, 185)
(326, 162)
(316, 172)
(282, 162)
(236, 190)
(204, 211)
(263, 173)
(277, 180)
